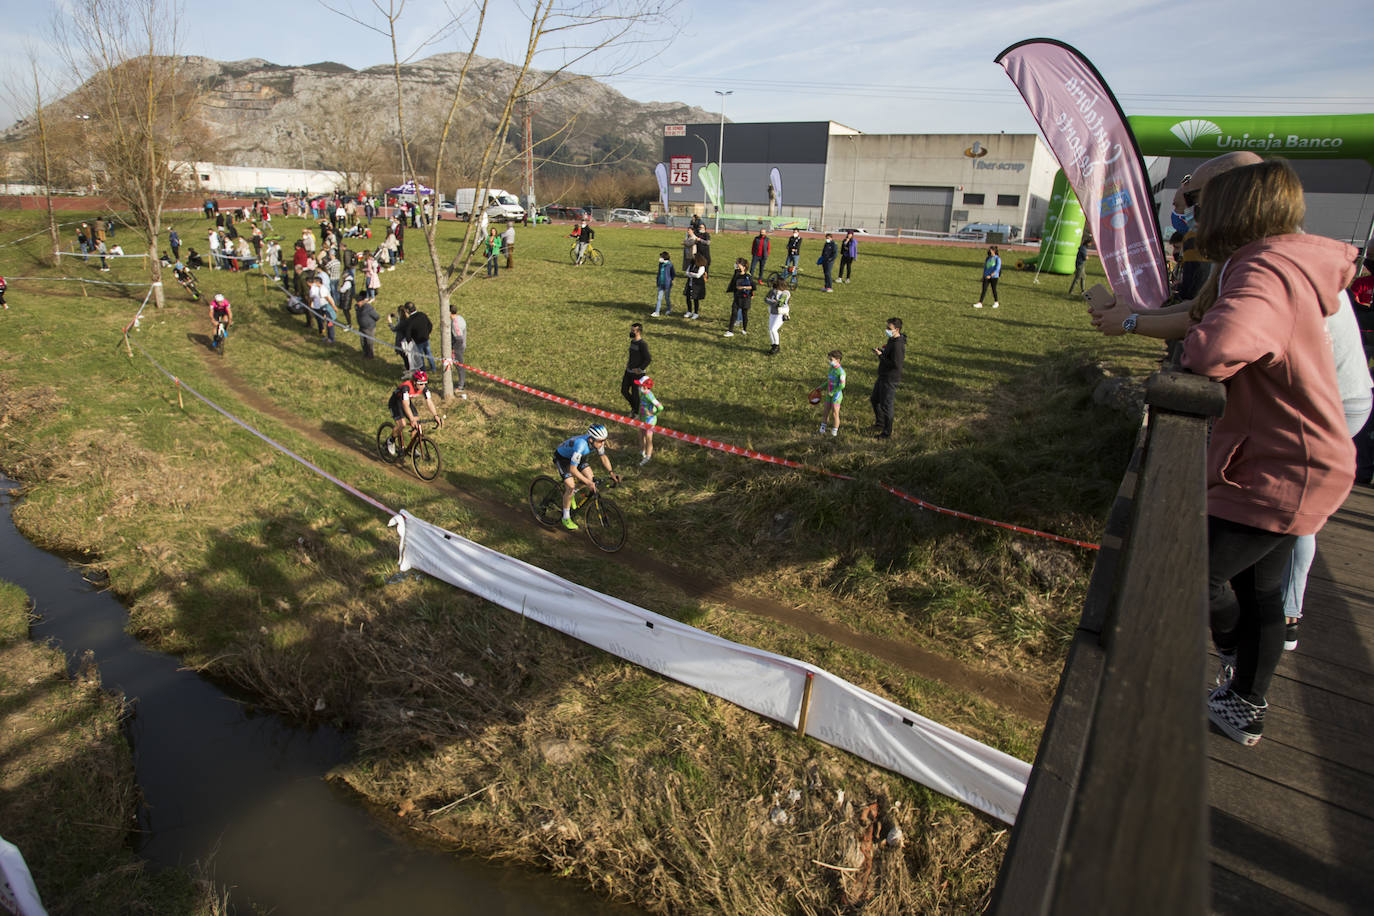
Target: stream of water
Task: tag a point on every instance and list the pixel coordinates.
(246, 792)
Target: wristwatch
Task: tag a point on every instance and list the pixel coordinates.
(1128, 325)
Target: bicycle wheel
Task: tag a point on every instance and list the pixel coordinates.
(222, 340)
(546, 500)
(388, 449)
(605, 524)
(595, 257)
(775, 276)
(424, 457)
(194, 291)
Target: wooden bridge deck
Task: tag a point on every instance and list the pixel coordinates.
(1292, 818)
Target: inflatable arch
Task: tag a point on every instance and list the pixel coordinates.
(1294, 137)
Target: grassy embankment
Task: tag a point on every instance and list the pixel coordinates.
(239, 560)
(67, 793)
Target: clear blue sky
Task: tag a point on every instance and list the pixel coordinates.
(882, 67)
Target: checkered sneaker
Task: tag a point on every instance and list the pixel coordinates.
(1238, 719)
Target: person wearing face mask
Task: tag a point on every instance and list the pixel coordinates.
(635, 366)
(832, 394)
(891, 356)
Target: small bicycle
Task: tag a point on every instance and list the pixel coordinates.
(788, 275)
(424, 453)
(601, 518)
(592, 254)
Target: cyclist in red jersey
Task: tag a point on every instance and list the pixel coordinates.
(401, 411)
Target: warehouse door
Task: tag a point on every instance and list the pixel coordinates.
(913, 207)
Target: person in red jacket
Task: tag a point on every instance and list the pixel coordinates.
(1280, 459)
(759, 253)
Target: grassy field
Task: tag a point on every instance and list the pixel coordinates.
(239, 560)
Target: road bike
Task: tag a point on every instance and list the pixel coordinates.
(601, 518)
(591, 254)
(424, 453)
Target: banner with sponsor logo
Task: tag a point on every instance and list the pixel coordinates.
(661, 173)
(1348, 136)
(1087, 132)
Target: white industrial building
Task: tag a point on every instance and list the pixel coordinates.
(248, 179)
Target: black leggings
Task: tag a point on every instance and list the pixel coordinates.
(988, 281)
(1246, 570)
(846, 265)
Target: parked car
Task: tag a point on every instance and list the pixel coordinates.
(562, 211)
(630, 216)
(447, 209)
(857, 231)
(1008, 231)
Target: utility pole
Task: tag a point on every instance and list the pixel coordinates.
(720, 150)
(530, 203)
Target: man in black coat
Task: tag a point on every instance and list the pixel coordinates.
(367, 325)
(635, 366)
(891, 356)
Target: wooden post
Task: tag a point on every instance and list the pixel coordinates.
(126, 344)
(806, 704)
(180, 403)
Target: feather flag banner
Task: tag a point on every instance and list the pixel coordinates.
(1087, 132)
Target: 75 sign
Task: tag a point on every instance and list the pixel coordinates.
(680, 170)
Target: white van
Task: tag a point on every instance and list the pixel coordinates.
(502, 206)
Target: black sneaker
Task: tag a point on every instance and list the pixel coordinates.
(1290, 636)
(1238, 718)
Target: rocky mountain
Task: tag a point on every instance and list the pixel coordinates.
(264, 114)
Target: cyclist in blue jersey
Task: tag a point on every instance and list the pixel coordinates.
(571, 460)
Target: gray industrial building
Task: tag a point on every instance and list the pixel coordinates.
(834, 176)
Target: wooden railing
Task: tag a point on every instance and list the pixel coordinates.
(1114, 819)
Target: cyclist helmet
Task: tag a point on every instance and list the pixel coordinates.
(645, 382)
(420, 377)
(219, 297)
(596, 431)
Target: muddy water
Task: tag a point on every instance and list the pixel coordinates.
(246, 792)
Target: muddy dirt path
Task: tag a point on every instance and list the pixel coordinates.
(1009, 691)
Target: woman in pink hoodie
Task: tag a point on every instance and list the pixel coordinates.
(1280, 460)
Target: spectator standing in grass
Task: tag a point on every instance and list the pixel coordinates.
(832, 394)
(827, 261)
(689, 248)
(212, 239)
(344, 297)
(793, 251)
(704, 246)
(849, 253)
(741, 286)
(636, 364)
(508, 244)
(758, 253)
(649, 406)
(323, 306)
(695, 287)
(458, 333)
(174, 240)
(584, 234)
(779, 301)
(403, 344)
(891, 357)
(992, 269)
(664, 284)
(493, 253)
(420, 330)
(367, 326)
(1080, 264)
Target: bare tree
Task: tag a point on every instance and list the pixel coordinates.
(561, 34)
(44, 157)
(144, 112)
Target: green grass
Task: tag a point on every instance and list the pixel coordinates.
(239, 559)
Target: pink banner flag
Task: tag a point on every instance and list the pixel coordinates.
(1088, 134)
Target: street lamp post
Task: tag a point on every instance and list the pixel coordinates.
(720, 150)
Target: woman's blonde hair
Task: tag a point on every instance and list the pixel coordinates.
(1247, 204)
